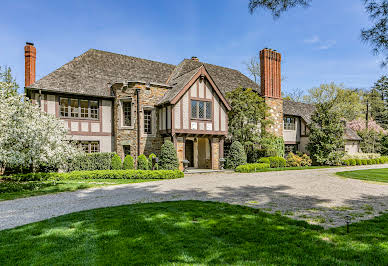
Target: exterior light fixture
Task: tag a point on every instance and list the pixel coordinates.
(155, 160)
(185, 165)
(347, 220)
(222, 162)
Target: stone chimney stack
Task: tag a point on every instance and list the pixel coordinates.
(271, 88)
(30, 62)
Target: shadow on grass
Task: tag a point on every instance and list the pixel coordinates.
(190, 232)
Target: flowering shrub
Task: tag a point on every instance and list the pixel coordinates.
(30, 137)
(293, 160)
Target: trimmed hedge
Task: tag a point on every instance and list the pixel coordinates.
(128, 163)
(91, 161)
(98, 174)
(264, 160)
(116, 163)
(277, 162)
(168, 159)
(142, 162)
(251, 167)
(353, 162)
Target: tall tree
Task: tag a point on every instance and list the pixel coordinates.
(7, 80)
(376, 36)
(253, 67)
(326, 141)
(296, 95)
(247, 115)
(347, 102)
(378, 101)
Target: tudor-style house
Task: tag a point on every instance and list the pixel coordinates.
(112, 102)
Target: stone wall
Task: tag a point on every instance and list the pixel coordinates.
(215, 157)
(276, 115)
(127, 135)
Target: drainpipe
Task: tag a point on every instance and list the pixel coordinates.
(138, 119)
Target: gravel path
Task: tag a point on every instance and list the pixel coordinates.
(317, 196)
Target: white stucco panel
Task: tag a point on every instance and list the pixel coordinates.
(51, 104)
(185, 102)
(106, 116)
(74, 126)
(177, 115)
(95, 127)
(84, 126)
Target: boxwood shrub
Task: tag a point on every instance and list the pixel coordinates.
(91, 161)
(251, 167)
(128, 163)
(98, 174)
(277, 162)
(263, 160)
(142, 162)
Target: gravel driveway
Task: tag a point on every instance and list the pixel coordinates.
(317, 196)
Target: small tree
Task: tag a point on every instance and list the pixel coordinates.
(236, 155)
(150, 166)
(116, 162)
(326, 142)
(128, 163)
(168, 158)
(142, 162)
(273, 145)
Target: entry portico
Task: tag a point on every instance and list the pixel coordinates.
(199, 122)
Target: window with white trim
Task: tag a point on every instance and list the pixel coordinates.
(289, 123)
(78, 108)
(90, 146)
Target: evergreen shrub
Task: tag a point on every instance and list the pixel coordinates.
(236, 155)
(116, 162)
(142, 162)
(168, 158)
(128, 163)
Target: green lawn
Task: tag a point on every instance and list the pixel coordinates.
(191, 232)
(11, 190)
(380, 175)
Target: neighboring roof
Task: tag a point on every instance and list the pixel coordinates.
(93, 73)
(350, 134)
(303, 110)
(306, 110)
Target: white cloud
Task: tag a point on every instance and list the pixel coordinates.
(327, 45)
(320, 44)
(314, 39)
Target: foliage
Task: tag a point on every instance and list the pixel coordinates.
(293, 160)
(128, 163)
(7, 81)
(142, 162)
(347, 102)
(168, 158)
(254, 153)
(379, 175)
(277, 162)
(263, 160)
(376, 9)
(30, 137)
(360, 125)
(384, 145)
(326, 141)
(371, 141)
(97, 174)
(116, 163)
(251, 167)
(236, 155)
(306, 160)
(378, 101)
(247, 116)
(273, 145)
(150, 166)
(253, 67)
(91, 161)
(362, 156)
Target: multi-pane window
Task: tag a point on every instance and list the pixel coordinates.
(90, 146)
(291, 148)
(127, 150)
(78, 108)
(147, 121)
(201, 109)
(127, 114)
(64, 103)
(289, 123)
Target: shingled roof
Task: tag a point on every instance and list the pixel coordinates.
(306, 110)
(93, 72)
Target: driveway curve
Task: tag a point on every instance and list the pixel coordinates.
(317, 196)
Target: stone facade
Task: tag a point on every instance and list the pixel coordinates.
(275, 115)
(215, 156)
(180, 151)
(127, 135)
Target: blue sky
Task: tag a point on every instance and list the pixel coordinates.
(319, 44)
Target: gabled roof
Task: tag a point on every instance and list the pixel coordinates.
(93, 73)
(306, 110)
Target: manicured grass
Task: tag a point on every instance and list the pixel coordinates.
(380, 175)
(12, 190)
(191, 232)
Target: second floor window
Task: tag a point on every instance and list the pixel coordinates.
(147, 121)
(289, 123)
(90, 146)
(201, 109)
(127, 114)
(78, 108)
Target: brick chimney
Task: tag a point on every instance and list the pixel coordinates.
(30, 59)
(271, 88)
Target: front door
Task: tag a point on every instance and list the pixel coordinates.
(189, 152)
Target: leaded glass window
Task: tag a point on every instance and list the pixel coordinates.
(64, 106)
(194, 111)
(127, 113)
(208, 110)
(147, 121)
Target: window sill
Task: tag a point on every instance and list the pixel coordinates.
(79, 118)
(126, 127)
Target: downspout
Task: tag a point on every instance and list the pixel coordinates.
(138, 119)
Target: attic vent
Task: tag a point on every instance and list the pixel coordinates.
(194, 58)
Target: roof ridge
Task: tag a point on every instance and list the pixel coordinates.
(187, 72)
